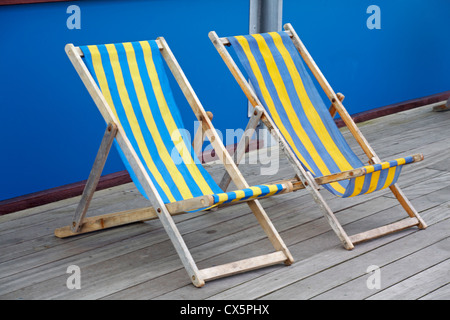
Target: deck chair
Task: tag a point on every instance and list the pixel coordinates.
(297, 117)
(128, 83)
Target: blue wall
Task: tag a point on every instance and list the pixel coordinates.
(408, 58)
(50, 128)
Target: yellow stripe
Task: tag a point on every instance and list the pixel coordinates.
(373, 182)
(359, 182)
(385, 165)
(273, 189)
(390, 177)
(239, 195)
(222, 198)
(133, 121)
(170, 123)
(100, 74)
(369, 169)
(309, 109)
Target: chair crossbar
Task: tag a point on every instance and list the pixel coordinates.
(244, 265)
(384, 230)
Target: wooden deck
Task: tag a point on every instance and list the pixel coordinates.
(139, 262)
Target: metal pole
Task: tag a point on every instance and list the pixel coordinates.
(265, 16)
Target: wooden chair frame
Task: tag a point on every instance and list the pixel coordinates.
(303, 178)
(158, 209)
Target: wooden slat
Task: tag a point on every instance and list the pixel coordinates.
(332, 109)
(243, 265)
(135, 263)
(80, 53)
(384, 230)
(199, 137)
(412, 212)
(110, 220)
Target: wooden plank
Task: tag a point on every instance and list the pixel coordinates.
(182, 271)
(138, 262)
(108, 221)
(442, 293)
(199, 136)
(332, 108)
(397, 261)
(418, 285)
(384, 230)
(324, 258)
(243, 265)
(406, 204)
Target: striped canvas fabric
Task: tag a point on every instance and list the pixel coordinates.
(132, 78)
(248, 193)
(290, 97)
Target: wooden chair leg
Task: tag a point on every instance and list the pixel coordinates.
(199, 136)
(94, 176)
(332, 220)
(407, 205)
(243, 144)
(270, 230)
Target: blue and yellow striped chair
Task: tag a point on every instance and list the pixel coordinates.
(130, 87)
(302, 122)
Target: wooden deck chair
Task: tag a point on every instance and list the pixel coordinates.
(128, 83)
(297, 116)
